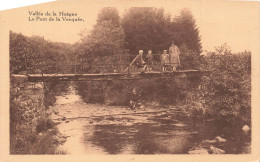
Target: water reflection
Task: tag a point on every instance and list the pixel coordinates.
(158, 136)
(100, 129)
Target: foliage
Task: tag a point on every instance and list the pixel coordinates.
(92, 92)
(44, 124)
(163, 91)
(189, 59)
(109, 14)
(151, 28)
(105, 39)
(18, 52)
(223, 49)
(146, 28)
(186, 32)
(29, 125)
(36, 55)
(103, 43)
(226, 92)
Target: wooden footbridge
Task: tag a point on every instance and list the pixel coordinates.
(108, 76)
(125, 72)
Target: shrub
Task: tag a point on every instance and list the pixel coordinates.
(44, 124)
(227, 91)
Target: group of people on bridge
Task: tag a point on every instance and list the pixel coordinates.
(169, 61)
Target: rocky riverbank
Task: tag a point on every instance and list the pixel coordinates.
(237, 142)
(31, 129)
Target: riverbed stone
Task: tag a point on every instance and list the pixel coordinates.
(245, 128)
(55, 111)
(209, 141)
(199, 151)
(220, 139)
(61, 140)
(142, 106)
(215, 150)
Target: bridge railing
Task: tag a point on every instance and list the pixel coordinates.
(122, 65)
(119, 65)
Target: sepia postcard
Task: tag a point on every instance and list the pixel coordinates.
(143, 80)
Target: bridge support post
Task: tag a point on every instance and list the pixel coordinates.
(75, 69)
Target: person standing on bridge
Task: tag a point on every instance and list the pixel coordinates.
(140, 63)
(149, 58)
(165, 61)
(174, 56)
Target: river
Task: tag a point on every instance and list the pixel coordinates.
(101, 129)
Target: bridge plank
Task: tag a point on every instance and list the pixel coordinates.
(107, 76)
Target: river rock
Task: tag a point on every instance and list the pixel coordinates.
(61, 139)
(48, 112)
(216, 150)
(57, 122)
(59, 135)
(220, 139)
(245, 128)
(209, 141)
(51, 130)
(55, 111)
(199, 151)
(141, 107)
(153, 104)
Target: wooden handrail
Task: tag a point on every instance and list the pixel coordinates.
(131, 63)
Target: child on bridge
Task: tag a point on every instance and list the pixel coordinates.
(149, 58)
(165, 61)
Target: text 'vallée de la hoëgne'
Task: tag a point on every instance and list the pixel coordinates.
(54, 16)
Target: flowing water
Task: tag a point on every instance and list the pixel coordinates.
(101, 129)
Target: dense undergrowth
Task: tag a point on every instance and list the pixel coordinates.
(31, 129)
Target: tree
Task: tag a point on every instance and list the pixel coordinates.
(105, 40)
(36, 55)
(189, 59)
(109, 14)
(17, 49)
(186, 32)
(146, 28)
(227, 90)
(223, 49)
